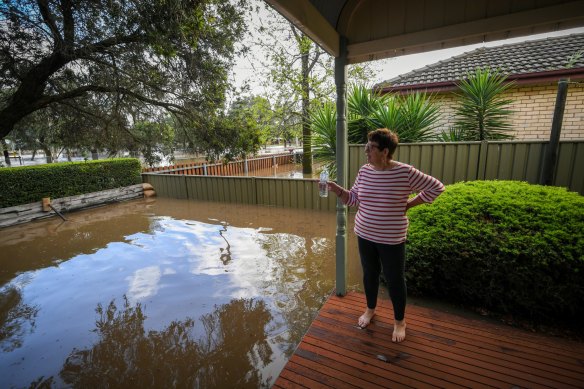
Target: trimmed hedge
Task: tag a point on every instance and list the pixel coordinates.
(505, 246)
(27, 184)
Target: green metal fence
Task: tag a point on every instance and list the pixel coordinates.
(282, 192)
(449, 162)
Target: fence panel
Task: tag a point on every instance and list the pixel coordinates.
(504, 160)
(449, 162)
(570, 168)
(282, 192)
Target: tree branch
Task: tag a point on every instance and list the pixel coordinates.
(46, 100)
(10, 65)
(50, 21)
(68, 23)
(109, 42)
(314, 61)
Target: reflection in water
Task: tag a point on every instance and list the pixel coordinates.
(144, 283)
(229, 291)
(225, 252)
(126, 355)
(44, 243)
(16, 318)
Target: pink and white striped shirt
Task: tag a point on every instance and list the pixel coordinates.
(382, 196)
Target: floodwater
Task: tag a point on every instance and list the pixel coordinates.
(163, 293)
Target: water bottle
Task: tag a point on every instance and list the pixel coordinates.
(322, 185)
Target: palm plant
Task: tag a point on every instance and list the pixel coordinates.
(362, 104)
(418, 115)
(323, 123)
(389, 115)
(482, 112)
(412, 117)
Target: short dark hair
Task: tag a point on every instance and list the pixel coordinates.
(385, 138)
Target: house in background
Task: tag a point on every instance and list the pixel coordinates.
(535, 66)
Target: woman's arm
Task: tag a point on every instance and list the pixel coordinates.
(413, 202)
(428, 187)
(341, 192)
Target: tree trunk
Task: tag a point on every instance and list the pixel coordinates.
(306, 135)
(94, 154)
(6, 154)
(48, 154)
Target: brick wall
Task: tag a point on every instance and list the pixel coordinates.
(534, 109)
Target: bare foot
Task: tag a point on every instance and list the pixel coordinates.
(399, 331)
(365, 318)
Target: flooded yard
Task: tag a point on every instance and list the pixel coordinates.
(163, 293)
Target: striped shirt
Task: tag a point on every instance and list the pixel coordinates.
(382, 196)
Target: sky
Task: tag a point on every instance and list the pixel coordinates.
(389, 68)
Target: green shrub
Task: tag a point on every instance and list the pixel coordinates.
(27, 184)
(505, 246)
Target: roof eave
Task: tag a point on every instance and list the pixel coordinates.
(520, 79)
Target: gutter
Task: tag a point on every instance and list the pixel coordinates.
(519, 79)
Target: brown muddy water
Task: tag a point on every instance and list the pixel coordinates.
(163, 293)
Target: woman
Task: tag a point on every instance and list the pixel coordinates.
(382, 190)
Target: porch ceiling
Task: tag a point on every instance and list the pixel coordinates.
(377, 29)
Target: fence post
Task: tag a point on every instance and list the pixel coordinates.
(551, 152)
(482, 162)
(204, 169)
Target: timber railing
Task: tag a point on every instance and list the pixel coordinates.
(233, 168)
(449, 162)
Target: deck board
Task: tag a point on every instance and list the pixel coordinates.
(441, 350)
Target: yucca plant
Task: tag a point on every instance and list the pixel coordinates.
(323, 123)
(389, 115)
(482, 113)
(412, 117)
(418, 115)
(362, 105)
(453, 134)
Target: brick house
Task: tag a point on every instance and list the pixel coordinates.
(535, 67)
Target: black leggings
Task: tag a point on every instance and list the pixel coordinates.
(392, 259)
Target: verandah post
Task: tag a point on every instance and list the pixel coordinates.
(342, 166)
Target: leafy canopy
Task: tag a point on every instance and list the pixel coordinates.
(114, 60)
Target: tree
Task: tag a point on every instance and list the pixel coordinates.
(482, 113)
(131, 58)
(153, 139)
(59, 127)
(251, 117)
(299, 75)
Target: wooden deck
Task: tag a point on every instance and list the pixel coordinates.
(441, 350)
